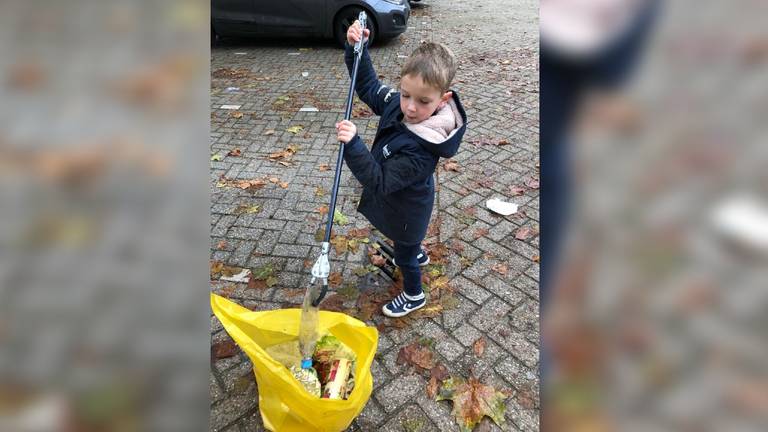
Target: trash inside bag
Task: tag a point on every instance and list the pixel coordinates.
(333, 363)
(284, 402)
(308, 379)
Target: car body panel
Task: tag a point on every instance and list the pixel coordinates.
(314, 18)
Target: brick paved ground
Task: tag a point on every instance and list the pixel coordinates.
(498, 82)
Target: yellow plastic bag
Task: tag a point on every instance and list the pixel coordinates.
(284, 404)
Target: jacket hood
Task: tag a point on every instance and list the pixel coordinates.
(441, 134)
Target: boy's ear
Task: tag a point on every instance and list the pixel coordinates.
(446, 96)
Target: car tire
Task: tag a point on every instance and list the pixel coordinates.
(345, 18)
(214, 37)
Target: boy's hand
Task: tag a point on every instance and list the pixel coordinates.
(346, 131)
(353, 33)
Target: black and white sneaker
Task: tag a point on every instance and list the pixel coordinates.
(422, 258)
(403, 304)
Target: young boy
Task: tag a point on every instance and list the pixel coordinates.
(421, 123)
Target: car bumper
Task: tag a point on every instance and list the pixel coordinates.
(392, 18)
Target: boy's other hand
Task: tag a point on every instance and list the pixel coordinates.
(354, 31)
(346, 131)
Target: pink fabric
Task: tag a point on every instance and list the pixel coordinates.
(438, 127)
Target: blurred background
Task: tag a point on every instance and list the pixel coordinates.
(653, 128)
(656, 297)
(104, 215)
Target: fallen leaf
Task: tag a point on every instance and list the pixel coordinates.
(378, 260)
(334, 279)
(216, 157)
(339, 218)
(271, 281)
(221, 245)
(237, 114)
(234, 152)
(457, 246)
(333, 303)
(224, 349)
(526, 398)
(323, 210)
(269, 132)
(536, 258)
(500, 268)
(524, 233)
(516, 190)
(319, 191)
(479, 346)
(451, 165)
(503, 142)
(532, 183)
(348, 291)
(283, 185)
(416, 355)
(263, 272)
(480, 232)
(439, 372)
(472, 401)
(324, 167)
(295, 129)
(359, 232)
(340, 243)
(246, 209)
(432, 387)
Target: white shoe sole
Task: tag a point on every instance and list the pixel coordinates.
(387, 312)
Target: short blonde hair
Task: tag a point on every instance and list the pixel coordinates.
(434, 63)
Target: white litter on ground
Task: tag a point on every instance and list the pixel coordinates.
(243, 277)
(231, 107)
(308, 109)
(305, 74)
(501, 207)
(743, 219)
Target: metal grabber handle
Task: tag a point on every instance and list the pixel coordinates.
(322, 267)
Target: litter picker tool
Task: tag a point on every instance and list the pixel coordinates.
(322, 268)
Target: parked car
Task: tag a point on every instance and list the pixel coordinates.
(307, 18)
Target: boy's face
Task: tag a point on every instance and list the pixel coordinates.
(418, 100)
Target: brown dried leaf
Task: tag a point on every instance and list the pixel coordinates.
(532, 183)
(378, 260)
(524, 233)
(221, 245)
(500, 268)
(224, 349)
(432, 387)
(324, 167)
(333, 303)
(479, 346)
(235, 152)
(472, 401)
(334, 279)
(416, 355)
(451, 165)
(480, 232)
(516, 190)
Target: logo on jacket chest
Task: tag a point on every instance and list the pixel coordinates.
(385, 151)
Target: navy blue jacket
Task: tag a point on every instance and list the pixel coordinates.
(397, 173)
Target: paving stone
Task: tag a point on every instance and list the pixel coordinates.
(410, 418)
(490, 314)
(503, 289)
(229, 410)
(401, 389)
(470, 290)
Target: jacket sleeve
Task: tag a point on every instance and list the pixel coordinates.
(405, 168)
(367, 85)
